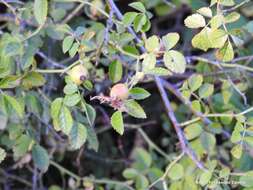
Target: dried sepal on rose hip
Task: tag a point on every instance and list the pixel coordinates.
(118, 94)
(78, 74)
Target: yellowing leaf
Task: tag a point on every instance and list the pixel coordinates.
(170, 40)
(152, 44)
(201, 40)
(232, 17)
(205, 11)
(195, 21)
(226, 53)
(174, 61)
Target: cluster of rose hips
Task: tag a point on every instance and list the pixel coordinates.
(118, 93)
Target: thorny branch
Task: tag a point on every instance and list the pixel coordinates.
(170, 112)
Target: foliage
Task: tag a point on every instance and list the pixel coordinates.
(70, 71)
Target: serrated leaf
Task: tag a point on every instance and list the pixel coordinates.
(170, 40)
(15, 105)
(90, 113)
(40, 157)
(195, 21)
(226, 53)
(201, 40)
(117, 122)
(67, 43)
(40, 9)
(134, 109)
(77, 136)
(139, 93)
(174, 61)
(115, 71)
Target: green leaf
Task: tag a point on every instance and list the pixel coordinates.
(237, 151)
(206, 90)
(192, 131)
(195, 81)
(2, 155)
(232, 17)
(201, 40)
(128, 18)
(90, 112)
(115, 71)
(33, 79)
(70, 88)
(72, 99)
(246, 180)
(226, 53)
(205, 177)
(170, 40)
(74, 49)
(152, 44)
(77, 136)
(56, 107)
(134, 109)
(92, 138)
(138, 6)
(15, 105)
(205, 11)
(227, 2)
(65, 120)
(22, 145)
(141, 182)
(117, 122)
(40, 157)
(139, 93)
(174, 61)
(176, 172)
(195, 21)
(149, 62)
(208, 141)
(158, 71)
(130, 173)
(216, 21)
(139, 21)
(40, 9)
(142, 157)
(67, 43)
